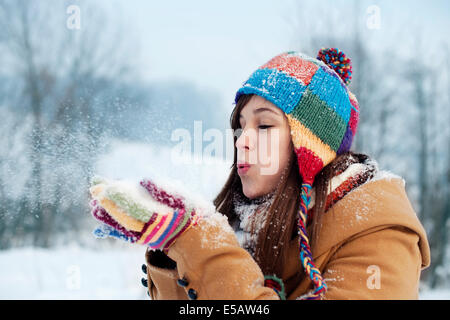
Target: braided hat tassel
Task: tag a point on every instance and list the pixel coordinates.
(305, 251)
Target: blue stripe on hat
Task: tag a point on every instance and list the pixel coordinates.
(330, 90)
(276, 86)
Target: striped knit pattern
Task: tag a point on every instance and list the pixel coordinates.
(162, 196)
(162, 230)
(305, 251)
(100, 214)
(323, 117)
(157, 230)
(132, 208)
(272, 281)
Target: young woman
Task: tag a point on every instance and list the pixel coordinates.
(306, 218)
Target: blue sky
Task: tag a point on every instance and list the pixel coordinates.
(216, 45)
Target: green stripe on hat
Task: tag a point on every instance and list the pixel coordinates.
(322, 120)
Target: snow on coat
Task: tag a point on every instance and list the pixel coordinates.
(371, 246)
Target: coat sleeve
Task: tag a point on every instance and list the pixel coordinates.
(214, 265)
(381, 263)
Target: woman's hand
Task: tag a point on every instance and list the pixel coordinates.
(144, 213)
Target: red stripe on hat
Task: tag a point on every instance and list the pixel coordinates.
(309, 164)
(296, 67)
(354, 116)
(353, 121)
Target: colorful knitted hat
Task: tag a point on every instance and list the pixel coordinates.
(323, 117)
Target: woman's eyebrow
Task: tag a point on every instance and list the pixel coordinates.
(259, 110)
(264, 109)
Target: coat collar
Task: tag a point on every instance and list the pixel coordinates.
(361, 199)
(355, 172)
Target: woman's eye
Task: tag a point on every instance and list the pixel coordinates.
(264, 126)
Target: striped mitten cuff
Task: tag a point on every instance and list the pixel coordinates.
(150, 217)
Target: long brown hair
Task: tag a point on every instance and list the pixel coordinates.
(281, 227)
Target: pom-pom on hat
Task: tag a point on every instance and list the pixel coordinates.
(323, 116)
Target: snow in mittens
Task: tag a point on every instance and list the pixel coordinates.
(132, 191)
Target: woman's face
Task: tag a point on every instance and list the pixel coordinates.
(264, 143)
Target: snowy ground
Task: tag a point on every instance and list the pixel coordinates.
(72, 273)
(438, 294)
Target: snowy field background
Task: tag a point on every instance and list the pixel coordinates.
(104, 269)
(109, 269)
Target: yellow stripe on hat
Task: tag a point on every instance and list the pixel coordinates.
(303, 137)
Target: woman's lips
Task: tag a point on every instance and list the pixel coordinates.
(243, 168)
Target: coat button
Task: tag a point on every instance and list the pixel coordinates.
(192, 294)
(144, 268)
(182, 282)
(144, 282)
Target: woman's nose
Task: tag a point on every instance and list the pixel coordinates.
(246, 139)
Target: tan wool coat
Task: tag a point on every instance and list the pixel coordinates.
(371, 246)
